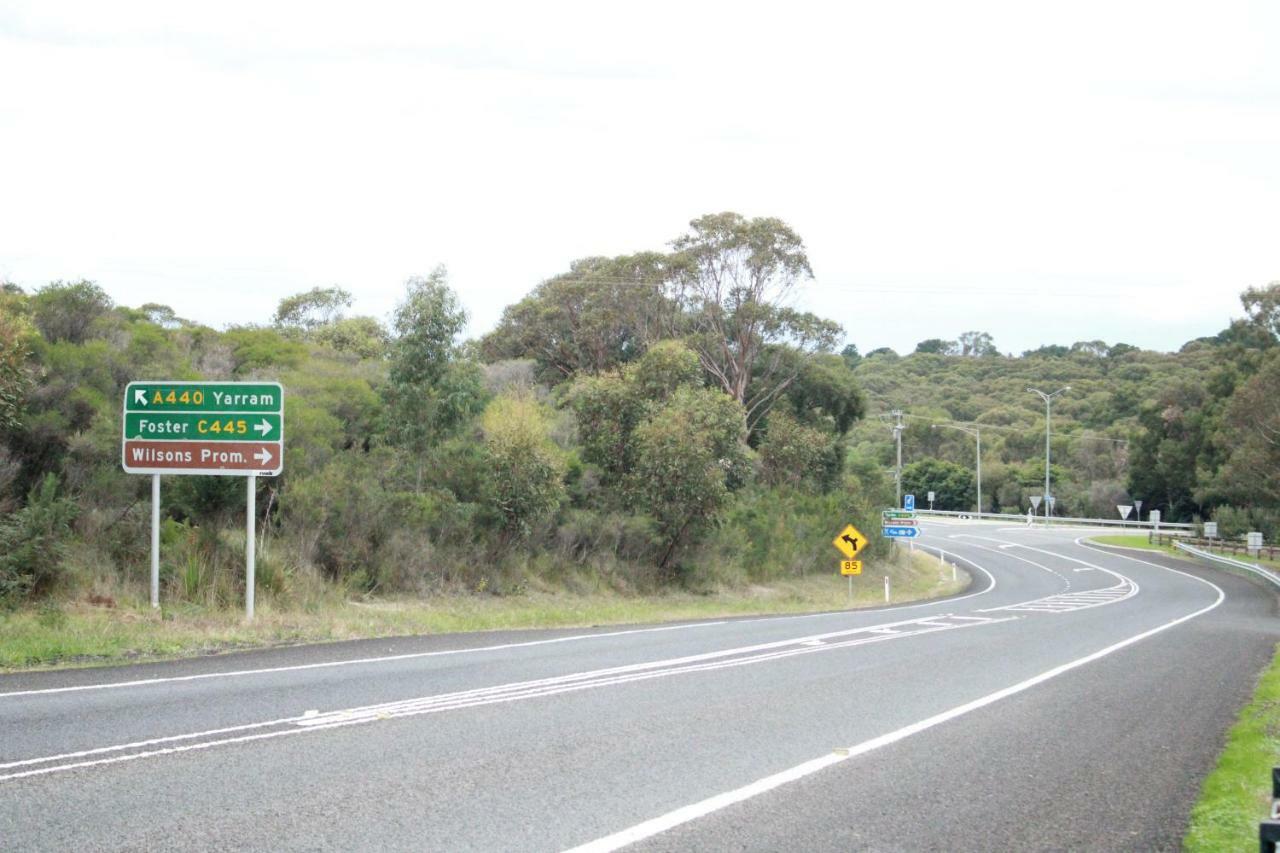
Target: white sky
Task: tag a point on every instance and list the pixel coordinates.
(1045, 172)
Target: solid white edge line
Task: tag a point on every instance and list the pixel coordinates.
(685, 814)
(203, 676)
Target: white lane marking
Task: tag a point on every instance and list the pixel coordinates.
(685, 814)
(1066, 602)
(705, 662)
(1065, 580)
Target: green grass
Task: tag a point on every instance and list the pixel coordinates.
(80, 634)
(1236, 795)
(1131, 540)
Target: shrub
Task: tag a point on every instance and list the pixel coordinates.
(33, 543)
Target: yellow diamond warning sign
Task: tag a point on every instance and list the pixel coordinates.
(850, 541)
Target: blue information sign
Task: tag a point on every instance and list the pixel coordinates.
(909, 502)
(900, 532)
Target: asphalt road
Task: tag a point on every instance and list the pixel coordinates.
(1073, 698)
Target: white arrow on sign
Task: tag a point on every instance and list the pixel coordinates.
(1124, 511)
(140, 396)
(263, 456)
(263, 427)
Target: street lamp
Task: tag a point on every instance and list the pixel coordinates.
(1048, 402)
(976, 432)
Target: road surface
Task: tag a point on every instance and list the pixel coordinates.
(1072, 698)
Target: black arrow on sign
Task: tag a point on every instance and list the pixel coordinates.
(853, 543)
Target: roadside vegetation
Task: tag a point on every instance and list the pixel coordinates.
(1237, 794)
(81, 634)
(658, 426)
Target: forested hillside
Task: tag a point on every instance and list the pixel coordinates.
(1191, 433)
(634, 423)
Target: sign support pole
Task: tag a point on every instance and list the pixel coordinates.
(251, 521)
(155, 541)
(851, 589)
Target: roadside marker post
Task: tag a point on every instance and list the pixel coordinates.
(231, 429)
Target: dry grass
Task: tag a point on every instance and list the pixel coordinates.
(84, 634)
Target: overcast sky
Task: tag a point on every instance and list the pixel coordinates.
(1044, 172)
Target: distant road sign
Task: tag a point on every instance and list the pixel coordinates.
(909, 502)
(1124, 511)
(226, 428)
(900, 532)
(896, 514)
(850, 567)
(1211, 530)
(1035, 501)
(850, 541)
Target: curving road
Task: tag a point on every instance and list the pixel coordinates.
(1072, 698)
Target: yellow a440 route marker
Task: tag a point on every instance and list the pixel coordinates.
(850, 541)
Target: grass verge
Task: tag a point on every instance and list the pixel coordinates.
(1236, 795)
(80, 634)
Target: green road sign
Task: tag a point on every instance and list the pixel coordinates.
(204, 397)
(193, 426)
(897, 513)
(231, 428)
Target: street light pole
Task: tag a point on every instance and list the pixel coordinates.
(897, 434)
(976, 432)
(1048, 402)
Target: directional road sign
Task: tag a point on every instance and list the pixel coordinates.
(895, 514)
(900, 532)
(229, 428)
(899, 522)
(850, 541)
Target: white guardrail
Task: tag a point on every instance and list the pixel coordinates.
(1054, 519)
(1231, 563)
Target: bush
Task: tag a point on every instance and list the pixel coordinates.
(33, 543)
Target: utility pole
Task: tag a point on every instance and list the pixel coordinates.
(897, 435)
(976, 432)
(1048, 402)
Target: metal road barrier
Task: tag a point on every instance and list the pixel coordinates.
(1054, 519)
(1269, 830)
(1230, 563)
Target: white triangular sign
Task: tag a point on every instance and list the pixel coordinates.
(1124, 511)
(1035, 501)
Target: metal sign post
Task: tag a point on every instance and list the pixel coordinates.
(155, 541)
(211, 428)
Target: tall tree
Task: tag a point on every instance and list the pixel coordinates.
(306, 312)
(430, 391)
(600, 314)
(976, 344)
(67, 311)
(734, 279)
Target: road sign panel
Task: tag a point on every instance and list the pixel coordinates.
(899, 522)
(850, 567)
(1211, 530)
(1035, 501)
(897, 513)
(931, 497)
(850, 541)
(909, 502)
(1124, 510)
(900, 532)
(229, 428)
